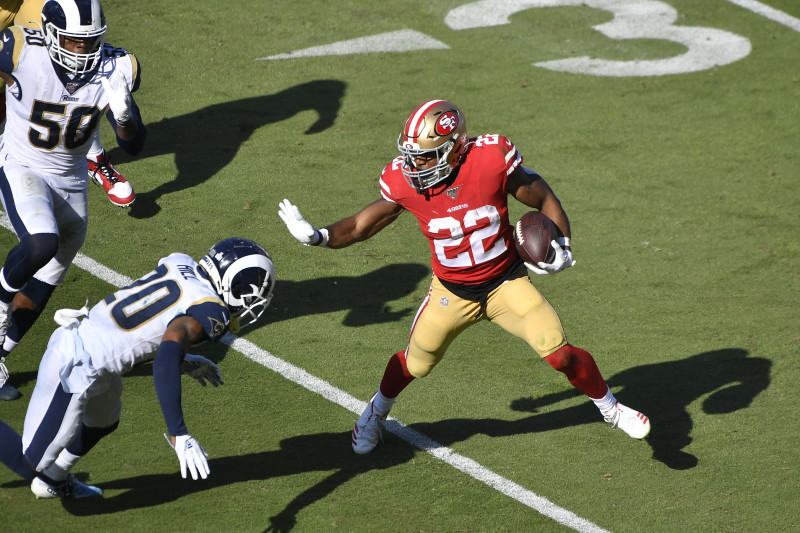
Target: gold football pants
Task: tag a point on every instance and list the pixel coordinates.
(516, 306)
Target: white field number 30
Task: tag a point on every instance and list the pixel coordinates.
(633, 19)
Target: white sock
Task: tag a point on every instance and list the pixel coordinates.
(9, 345)
(381, 404)
(607, 403)
(59, 470)
(96, 148)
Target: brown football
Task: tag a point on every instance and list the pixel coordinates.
(532, 236)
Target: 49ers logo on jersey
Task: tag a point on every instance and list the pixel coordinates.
(447, 123)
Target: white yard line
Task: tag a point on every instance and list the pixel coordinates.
(319, 386)
(769, 12)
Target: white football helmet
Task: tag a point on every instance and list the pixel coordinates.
(438, 127)
(243, 275)
(74, 19)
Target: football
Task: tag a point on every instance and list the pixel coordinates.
(532, 237)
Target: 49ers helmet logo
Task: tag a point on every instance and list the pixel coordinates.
(447, 123)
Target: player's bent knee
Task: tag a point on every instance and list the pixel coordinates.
(560, 359)
(41, 248)
(546, 340)
(420, 367)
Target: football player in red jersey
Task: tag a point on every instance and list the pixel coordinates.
(458, 189)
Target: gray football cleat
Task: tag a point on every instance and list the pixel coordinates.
(367, 431)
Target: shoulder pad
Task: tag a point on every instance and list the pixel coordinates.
(11, 41)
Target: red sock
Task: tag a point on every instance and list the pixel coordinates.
(581, 370)
(396, 376)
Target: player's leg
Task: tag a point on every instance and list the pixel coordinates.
(102, 172)
(40, 252)
(101, 415)
(29, 205)
(519, 308)
(11, 452)
(439, 320)
(28, 305)
(54, 418)
(72, 217)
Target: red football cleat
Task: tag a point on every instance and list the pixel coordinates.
(117, 188)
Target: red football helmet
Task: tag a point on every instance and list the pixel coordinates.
(436, 127)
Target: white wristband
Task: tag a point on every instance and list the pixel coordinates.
(563, 242)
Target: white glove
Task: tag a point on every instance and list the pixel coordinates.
(299, 226)
(191, 455)
(201, 369)
(119, 97)
(70, 318)
(563, 259)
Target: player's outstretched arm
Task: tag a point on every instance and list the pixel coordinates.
(355, 228)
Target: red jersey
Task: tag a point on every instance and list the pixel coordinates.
(466, 224)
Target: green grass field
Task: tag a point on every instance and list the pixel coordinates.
(682, 191)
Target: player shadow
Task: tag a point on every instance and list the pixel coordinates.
(363, 297)
(321, 452)
(728, 379)
(206, 141)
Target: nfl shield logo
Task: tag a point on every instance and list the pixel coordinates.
(452, 193)
(444, 301)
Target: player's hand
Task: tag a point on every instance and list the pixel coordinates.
(562, 259)
(191, 455)
(201, 369)
(119, 96)
(299, 226)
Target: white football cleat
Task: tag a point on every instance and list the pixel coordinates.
(367, 431)
(631, 422)
(69, 488)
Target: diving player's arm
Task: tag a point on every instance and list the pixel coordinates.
(181, 333)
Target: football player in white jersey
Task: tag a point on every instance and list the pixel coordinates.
(60, 81)
(28, 13)
(78, 395)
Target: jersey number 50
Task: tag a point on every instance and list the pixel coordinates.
(82, 122)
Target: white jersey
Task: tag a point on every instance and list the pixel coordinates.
(126, 328)
(51, 116)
